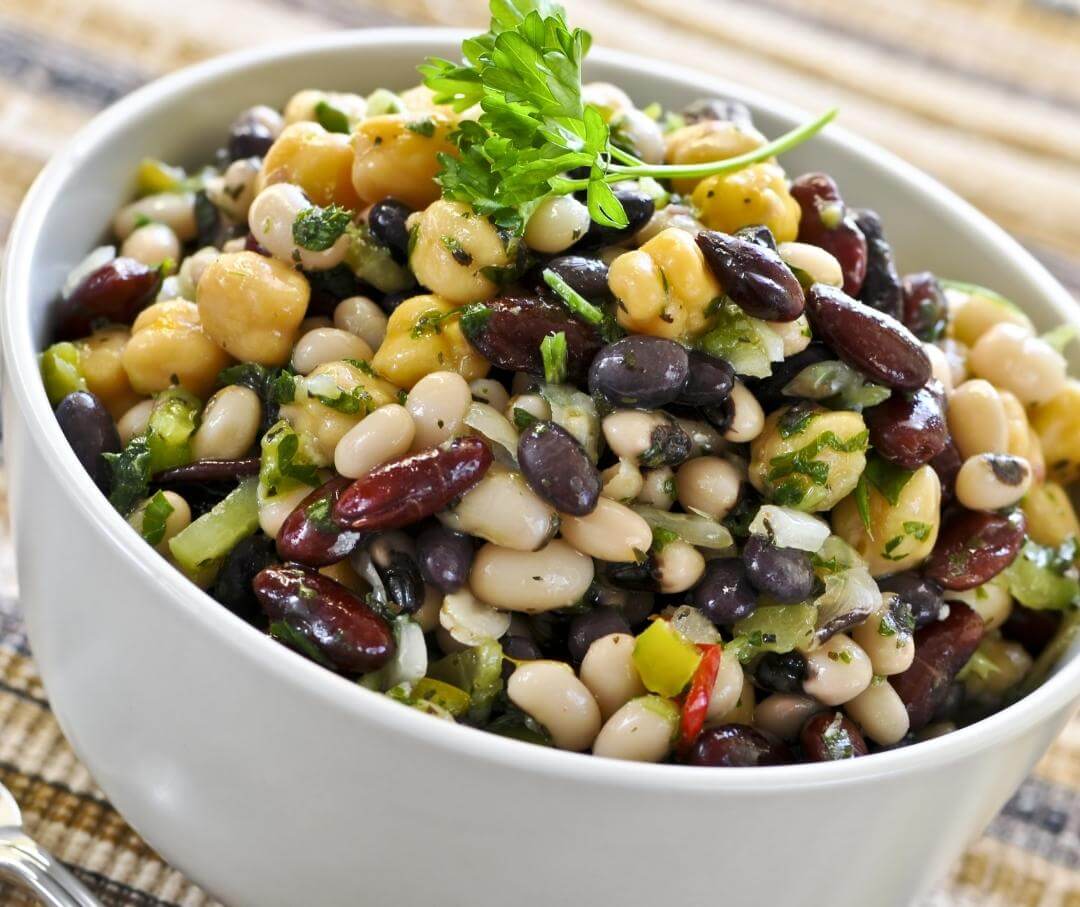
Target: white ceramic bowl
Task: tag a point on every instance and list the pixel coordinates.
(273, 782)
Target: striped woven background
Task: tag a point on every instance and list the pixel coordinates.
(983, 94)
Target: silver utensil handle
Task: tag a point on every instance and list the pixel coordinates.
(35, 869)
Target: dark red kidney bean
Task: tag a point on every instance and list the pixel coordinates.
(924, 306)
(908, 429)
(587, 628)
(91, 432)
(825, 222)
(947, 464)
(754, 277)
(233, 584)
(508, 331)
(641, 371)
(557, 468)
(784, 574)
(333, 621)
(386, 220)
(669, 445)
(829, 736)
(735, 746)
(1032, 628)
(975, 546)
(401, 577)
(639, 207)
(769, 392)
(444, 557)
(249, 137)
(758, 234)
(920, 594)
(116, 291)
(209, 471)
(710, 380)
(724, 109)
(724, 593)
(780, 672)
(406, 491)
(881, 288)
(941, 650)
(874, 344)
(587, 276)
(310, 536)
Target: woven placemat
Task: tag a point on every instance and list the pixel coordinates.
(948, 84)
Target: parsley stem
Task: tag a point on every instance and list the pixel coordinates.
(574, 301)
(625, 156)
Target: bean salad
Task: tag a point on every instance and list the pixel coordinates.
(581, 423)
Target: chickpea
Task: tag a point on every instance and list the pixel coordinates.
(252, 306)
(152, 244)
(360, 316)
(230, 424)
(784, 714)
(748, 418)
(664, 288)
(384, 435)
(609, 673)
(452, 248)
(134, 422)
(557, 223)
(323, 345)
(891, 649)
(880, 712)
(972, 314)
(503, 509)
(550, 693)
(757, 194)
(622, 481)
(304, 106)
(531, 581)
(837, 671)
(319, 162)
(1057, 424)
(901, 535)
(977, 419)
(102, 365)
(168, 344)
(271, 219)
(1009, 357)
(404, 358)
(796, 335)
(191, 269)
(708, 140)
(177, 520)
(612, 532)
(641, 731)
(820, 265)
(991, 601)
(658, 488)
(992, 481)
(438, 403)
(535, 405)
(396, 155)
(174, 209)
(834, 440)
(233, 192)
(678, 567)
(1051, 519)
(708, 485)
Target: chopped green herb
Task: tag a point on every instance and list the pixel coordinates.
(426, 128)
(283, 467)
(330, 118)
(317, 229)
(662, 537)
(795, 420)
(553, 353)
(888, 478)
(154, 515)
(575, 302)
(129, 474)
(523, 418)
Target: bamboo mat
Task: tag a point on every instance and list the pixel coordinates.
(983, 94)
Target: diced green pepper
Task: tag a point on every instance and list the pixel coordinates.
(172, 422)
(455, 700)
(154, 176)
(774, 628)
(476, 670)
(200, 548)
(665, 661)
(1040, 577)
(61, 372)
(372, 262)
(284, 465)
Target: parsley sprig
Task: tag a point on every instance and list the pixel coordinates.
(525, 73)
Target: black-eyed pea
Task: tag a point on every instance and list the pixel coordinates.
(381, 436)
(658, 488)
(1010, 357)
(973, 314)
(134, 421)
(556, 224)
(727, 690)
(469, 620)
(326, 344)
(991, 481)
(880, 712)
(152, 244)
(622, 481)
(533, 404)
(708, 485)
(837, 671)
(273, 510)
(1051, 518)
(796, 335)
(174, 209)
(491, 392)
(178, 518)
(230, 423)
(1057, 423)
(392, 159)
(940, 367)
(629, 432)
(747, 419)
(612, 532)
(531, 581)
(233, 192)
(438, 403)
(890, 647)
(609, 673)
(704, 438)
(784, 714)
(991, 601)
(977, 419)
(642, 730)
(271, 219)
(101, 361)
(550, 693)
(819, 265)
(502, 508)
(678, 567)
(361, 316)
(168, 342)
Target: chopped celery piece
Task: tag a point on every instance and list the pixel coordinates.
(372, 262)
(154, 176)
(173, 421)
(690, 527)
(476, 670)
(381, 101)
(284, 465)
(61, 372)
(837, 385)
(1045, 578)
(750, 345)
(665, 661)
(979, 667)
(776, 628)
(199, 548)
(428, 691)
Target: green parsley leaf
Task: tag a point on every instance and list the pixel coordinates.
(130, 474)
(887, 478)
(317, 229)
(553, 353)
(523, 418)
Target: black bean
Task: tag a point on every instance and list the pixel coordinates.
(91, 432)
(921, 594)
(444, 556)
(710, 380)
(781, 672)
(232, 587)
(829, 736)
(725, 109)
(386, 220)
(391, 301)
(587, 276)
(784, 574)
(639, 207)
(640, 371)
(736, 745)
(403, 582)
(557, 468)
(754, 277)
(586, 628)
(209, 471)
(249, 137)
(517, 648)
(724, 593)
(925, 306)
(632, 576)
(881, 288)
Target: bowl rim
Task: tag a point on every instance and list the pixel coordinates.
(21, 370)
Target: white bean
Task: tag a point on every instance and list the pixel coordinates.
(622, 481)
(471, 621)
(678, 567)
(535, 405)
(608, 671)
(360, 316)
(273, 511)
(815, 261)
(837, 671)
(796, 334)
(708, 485)
(658, 488)
(880, 712)
(271, 219)
(491, 392)
(612, 532)
(551, 694)
(530, 581)
(438, 402)
(640, 731)
(643, 133)
(992, 481)
(748, 418)
(191, 269)
(940, 367)
(178, 519)
(784, 714)
(174, 209)
(977, 419)
(628, 432)
(133, 423)
(503, 509)
(234, 191)
(557, 223)
(379, 437)
(323, 345)
(727, 688)
(1009, 357)
(891, 651)
(991, 601)
(152, 244)
(229, 425)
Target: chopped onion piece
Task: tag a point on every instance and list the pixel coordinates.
(789, 528)
(691, 528)
(494, 426)
(575, 411)
(694, 626)
(850, 595)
